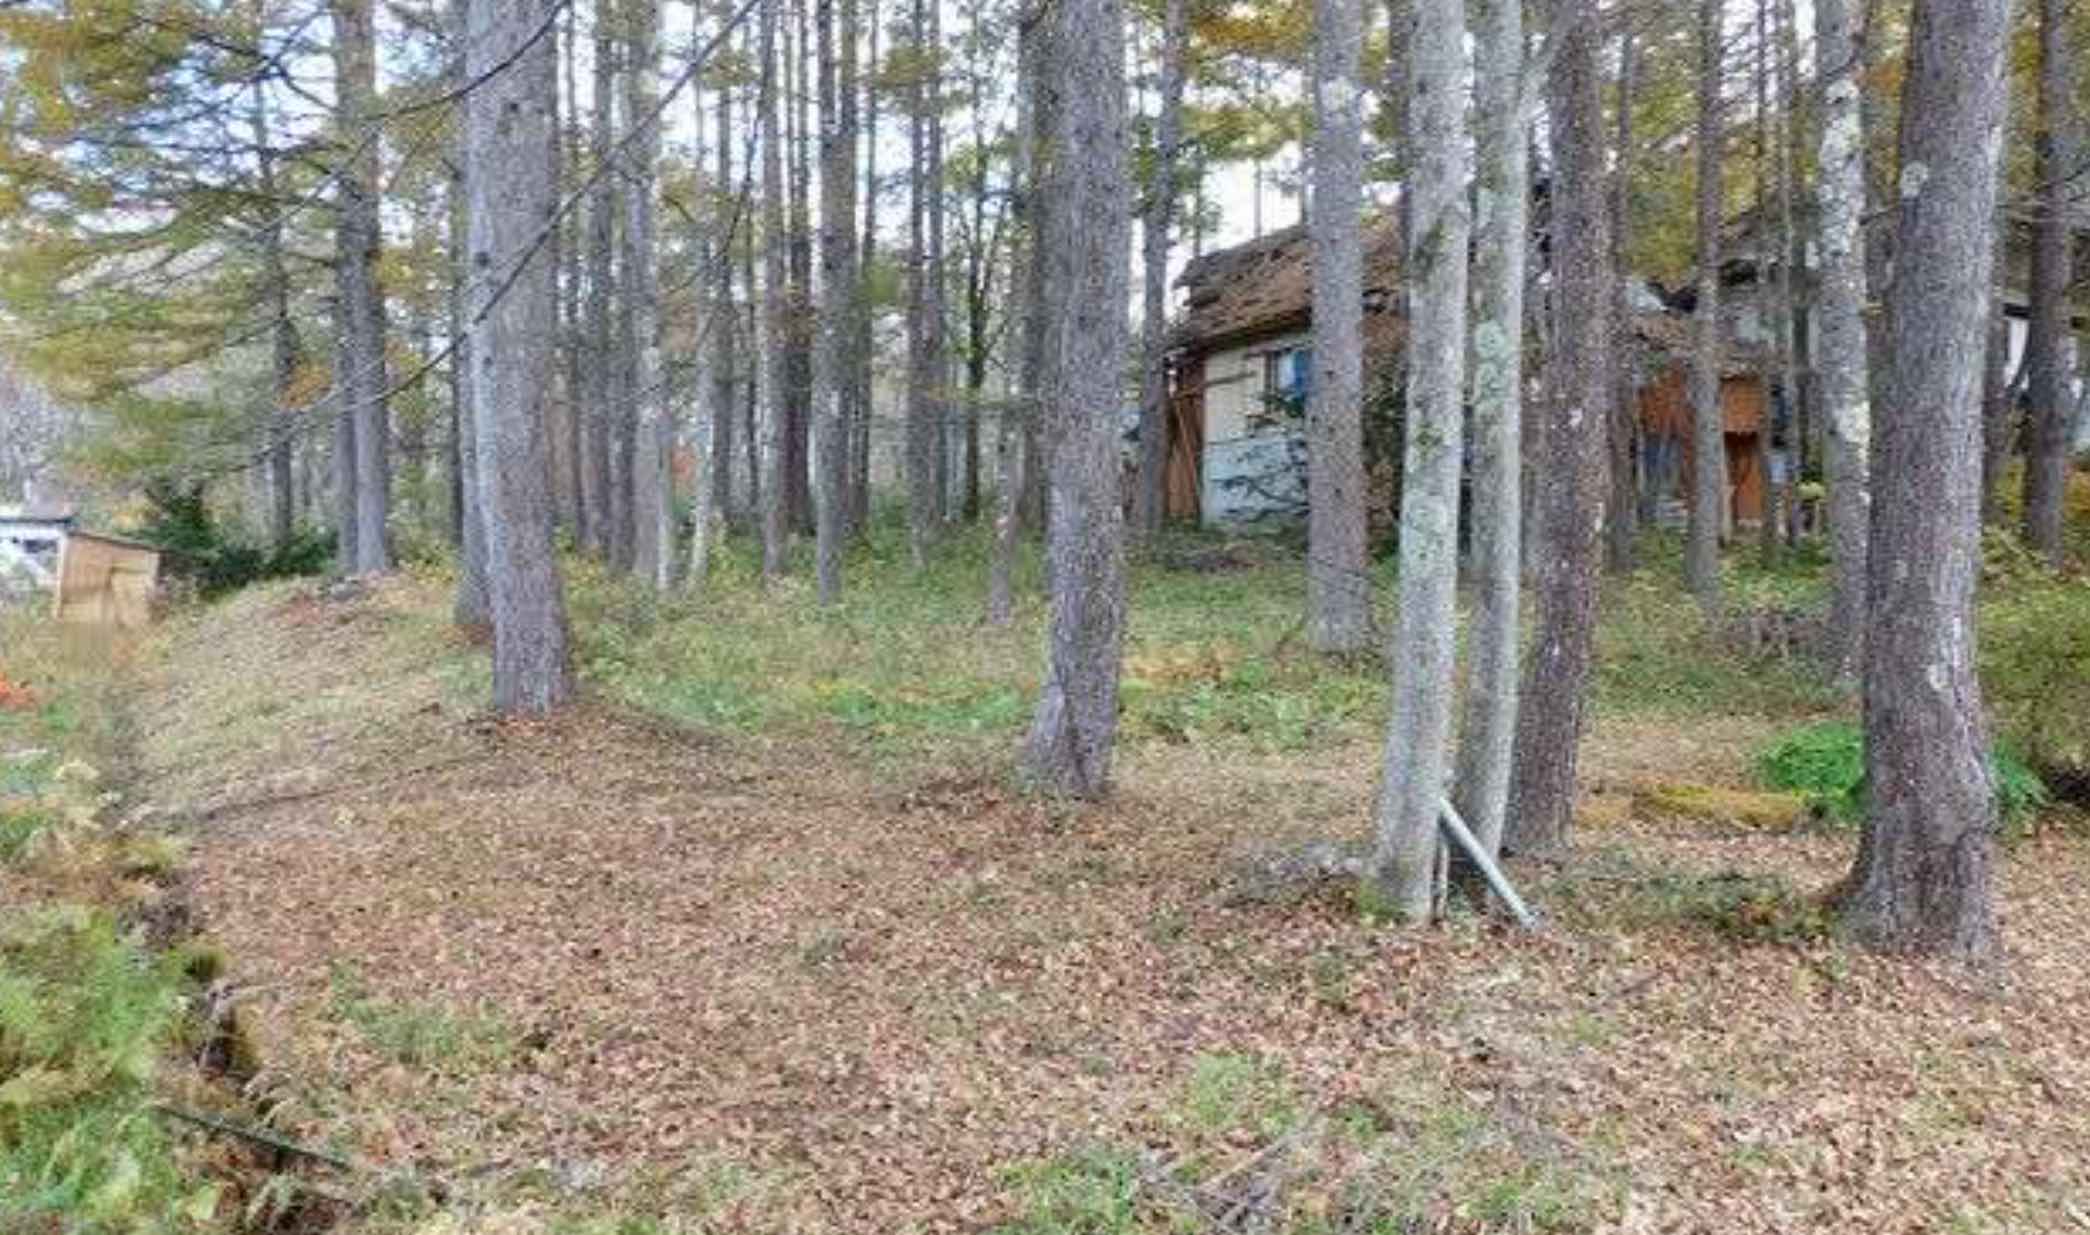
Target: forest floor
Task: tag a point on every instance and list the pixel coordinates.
(758, 938)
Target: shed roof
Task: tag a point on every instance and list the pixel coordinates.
(1266, 285)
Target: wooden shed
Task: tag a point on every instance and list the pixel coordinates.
(106, 580)
(1665, 417)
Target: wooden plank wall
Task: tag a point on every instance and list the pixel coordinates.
(106, 582)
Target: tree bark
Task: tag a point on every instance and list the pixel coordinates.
(1922, 878)
(1085, 228)
(1338, 583)
(1841, 376)
(1013, 453)
(653, 434)
(1425, 642)
(838, 282)
(772, 358)
(1766, 173)
(360, 368)
(1487, 738)
(1708, 513)
(1622, 511)
(725, 322)
(1579, 386)
(283, 336)
(2053, 272)
(924, 426)
(602, 245)
(472, 608)
(863, 412)
(1150, 500)
(513, 199)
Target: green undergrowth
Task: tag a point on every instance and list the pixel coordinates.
(907, 663)
(91, 1005)
(1419, 1156)
(1825, 764)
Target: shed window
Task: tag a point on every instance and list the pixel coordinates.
(1287, 377)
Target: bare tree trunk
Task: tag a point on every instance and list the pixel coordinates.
(653, 535)
(1921, 882)
(602, 246)
(937, 314)
(1766, 161)
(923, 427)
(1338, 585)
(2053, 271)
(1708, 513)
(800, 326)
(1150, 501)
(1084, 230)
(283, 336)
(573, 334)
(725, 321)
(1793, 260)
(472, 607)
(360, 368)
(1622, 511)
(1487, 738)
(1999, 418)
(1425, 642)
(1013, 456)
(772, 358)
(1579, 384)
(838, 283)
(864, 410)
(513, 197)
(1840, 308)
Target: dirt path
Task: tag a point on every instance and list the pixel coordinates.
(599, 966)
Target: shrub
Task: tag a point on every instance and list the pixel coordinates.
(216, 560)
(1825, 764)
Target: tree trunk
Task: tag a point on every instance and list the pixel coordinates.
(1084, 230)
(1999, 419)
(1766, 173)
(1841, 376)
(1150, 500)
(2053, 271)
(1013, 454)
(1425, 641)
(838, 284)
(863, 411)
(725, 322)
(1487, 738)
(283, 336)
(653, 434)
(1922, 878)
(360, 365)
(573, 334)
(799, 321)
(772, 357)
(472, 609)
(1338, 583)
(1622, 511)
(513, 196)
(602, 246)
(1579, 385)
(1708, 514)
(924, 426)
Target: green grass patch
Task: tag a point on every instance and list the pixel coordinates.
(421, 1034)
(84, 1016)
(1825, 764)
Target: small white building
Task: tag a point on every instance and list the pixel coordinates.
(31, 541)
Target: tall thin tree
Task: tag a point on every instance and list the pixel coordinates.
(1150, 498)
(359, 367)
(1425, 643)
(772, 359)
(653, 504)
(1841, 377)
(1487, 738)
(1708, 513)
(513, 201)
(1579, 386)
(838, 298)
(2056, 172)
(1338, 587)
(1922, 877)
(1084, 237)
